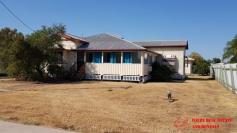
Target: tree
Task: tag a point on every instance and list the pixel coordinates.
(43, 43)
(28, 57)
(196, 56)
(9, 40)
(230, 51)
(216, 60)
(200, 65)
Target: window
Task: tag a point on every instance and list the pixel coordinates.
(147, 59)
(89, 57)
(94, 57)
(127, 58)
(106, 57)
(136, 57)
(131, 57)
(112, 57)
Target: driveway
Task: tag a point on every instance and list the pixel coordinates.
(8, 127)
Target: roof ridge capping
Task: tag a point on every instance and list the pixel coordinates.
(124, 40)
(163, 43)
(162, 40)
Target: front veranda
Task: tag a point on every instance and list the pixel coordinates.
(111, 65)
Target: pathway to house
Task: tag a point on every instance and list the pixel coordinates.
(9, 127)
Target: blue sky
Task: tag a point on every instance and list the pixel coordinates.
(206, 24)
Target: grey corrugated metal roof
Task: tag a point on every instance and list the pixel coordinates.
(163, 44)
(106, 41)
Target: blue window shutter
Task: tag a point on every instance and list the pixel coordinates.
(96, 57)
(127, 57)
(93, 58)
(112, 58)
(124, 57)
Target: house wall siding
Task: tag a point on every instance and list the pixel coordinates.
(188, 68)
(117, 68)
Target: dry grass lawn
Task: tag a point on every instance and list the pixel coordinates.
(118, 107)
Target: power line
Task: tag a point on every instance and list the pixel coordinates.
(14, 15)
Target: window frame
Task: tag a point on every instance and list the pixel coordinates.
(91, 57)
(115, 56)
(131, 56)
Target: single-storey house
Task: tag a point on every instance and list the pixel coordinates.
(107, 57)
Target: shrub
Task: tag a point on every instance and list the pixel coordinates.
(161, 72)
(56, 72)
(3, 74)
(201, 67)
(71, 74)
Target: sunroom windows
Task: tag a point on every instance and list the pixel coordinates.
(131, 57)
(94, 57)
(114, 57)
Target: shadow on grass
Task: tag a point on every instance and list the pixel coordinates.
(3, 76)
(200, 78)
(171, 81)
(173, 100)
(67, 82)
(85, 81)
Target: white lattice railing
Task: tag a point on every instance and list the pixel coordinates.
(111, 77)
(93, 76)
(131, 78)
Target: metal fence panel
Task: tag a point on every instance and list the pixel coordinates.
(226, 74)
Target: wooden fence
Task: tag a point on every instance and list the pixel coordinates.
(226, 74)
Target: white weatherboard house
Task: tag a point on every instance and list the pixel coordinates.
(107, 57)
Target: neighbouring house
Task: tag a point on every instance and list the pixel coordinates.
(188, 65)
(107, 57)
